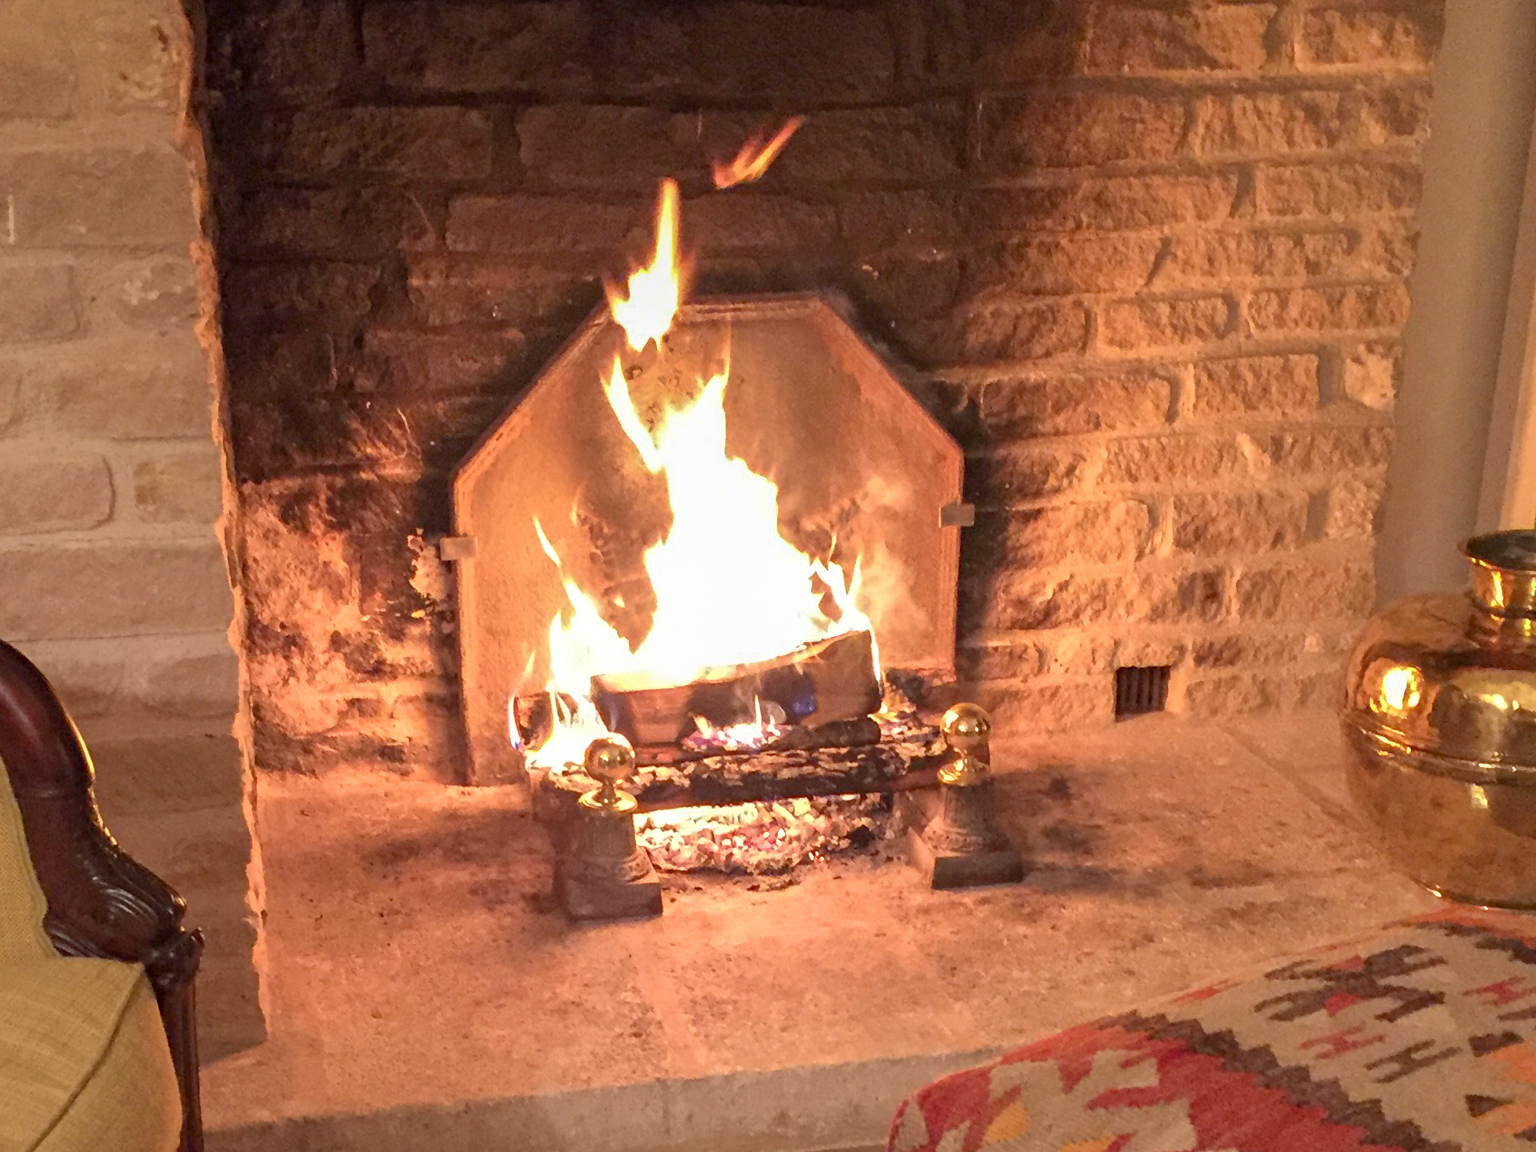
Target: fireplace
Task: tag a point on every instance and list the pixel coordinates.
(1146, 264)
(1154, 292)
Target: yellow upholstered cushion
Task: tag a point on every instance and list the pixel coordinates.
(83, 1060)
(22, 906)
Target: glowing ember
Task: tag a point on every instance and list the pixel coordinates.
(729, 588)
(755, 156)
(769, 836)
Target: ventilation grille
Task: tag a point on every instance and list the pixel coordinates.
(1141, 690)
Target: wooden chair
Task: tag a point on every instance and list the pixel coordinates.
(100, 902)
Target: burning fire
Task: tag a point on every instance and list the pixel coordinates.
(729, 588)
(755, 156)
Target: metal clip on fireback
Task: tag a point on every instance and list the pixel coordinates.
(605, 874)
(960, 843)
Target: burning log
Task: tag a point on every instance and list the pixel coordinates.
(829, 680)
(737, 777)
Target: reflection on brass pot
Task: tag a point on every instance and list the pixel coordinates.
(1440, 713)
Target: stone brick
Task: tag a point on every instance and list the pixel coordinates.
(1274, 123)
(179, 485)
(1396, 115)
(537, 224)
(1165, 322)
(737, 221)
(1105, 203)
(1352, 508)
(1220, 258)
(1157, 461)
(1246, 649)
(1387, 247)
(134, 58)
(286, 46)
(1005, 330)
(1062, 266)
(1007, 660)
(1042, 130)
(1338, 188)
(1103, 532)
(1026, 600)
(604, 146)
(86, 674)
(1343, 448)
(116, 588)
(36, 76)
(1139, 39)
(1013, 42)
(1048, 707)
(1054, 406)
(403, 362)
(37, 302)
(295, 364)
(906, 287)
(1026, 472)
(920, 218)
(1369, 374)
(1343, 308)
(465, 290)
(1300, 590)
(155, 293)
(334, 223)
(423, 45)
(49, 488)
(1256, 385)
(431, 144)
(160, 774)
(195, 684)
(1082, 653)
(98, 197)
(272, 292)
(1242, 694)
(1396, 34)
(120, 390)
(1226, 523)
(792, 53)
(856, 146)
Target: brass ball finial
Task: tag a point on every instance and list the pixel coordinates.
(967, 730)
(609, 760)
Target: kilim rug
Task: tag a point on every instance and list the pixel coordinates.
(1419, 1039)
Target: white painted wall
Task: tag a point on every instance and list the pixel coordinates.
(1474, 181)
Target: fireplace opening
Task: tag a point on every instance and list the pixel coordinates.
(1143, 276)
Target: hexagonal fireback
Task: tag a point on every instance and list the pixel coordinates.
(861, 469)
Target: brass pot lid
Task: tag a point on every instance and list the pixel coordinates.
(1442, 675)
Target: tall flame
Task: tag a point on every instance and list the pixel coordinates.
(645, 311)
(760, 151)
(729, 588)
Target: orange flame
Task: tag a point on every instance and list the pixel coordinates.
(729, 588)
(755, 156)
(646, 309)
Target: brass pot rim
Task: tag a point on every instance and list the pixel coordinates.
(1510, 550)
(1503, 576)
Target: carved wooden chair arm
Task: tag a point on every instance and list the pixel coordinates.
(101, 902)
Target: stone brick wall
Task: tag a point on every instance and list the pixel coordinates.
(112, 573)
(1146, 260)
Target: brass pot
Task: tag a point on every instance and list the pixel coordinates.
(1440, 713)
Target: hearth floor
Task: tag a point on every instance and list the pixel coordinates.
(423, 995)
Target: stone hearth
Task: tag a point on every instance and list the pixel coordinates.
(423, 992)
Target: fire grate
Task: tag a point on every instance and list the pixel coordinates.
(1139, 691)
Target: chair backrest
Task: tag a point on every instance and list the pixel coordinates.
(22, 904)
